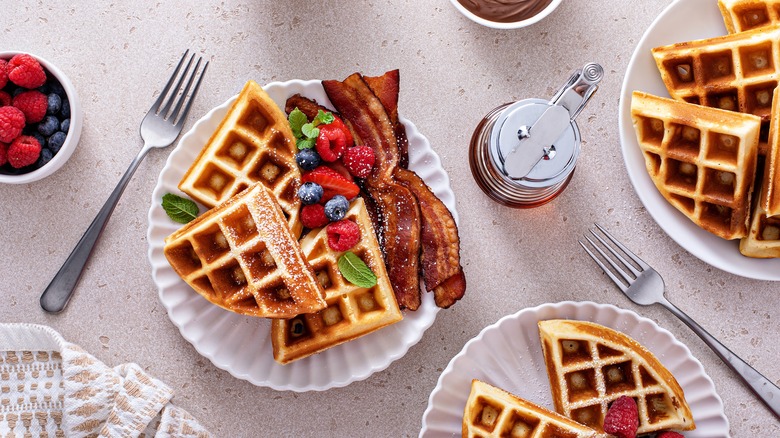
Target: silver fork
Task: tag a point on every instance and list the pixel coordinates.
(159, 128)
(644, 286)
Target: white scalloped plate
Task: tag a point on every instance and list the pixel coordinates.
(508, 354)
(675, 25)
(240, 344)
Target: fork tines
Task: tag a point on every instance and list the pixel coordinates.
(171, 99)
(613, 254)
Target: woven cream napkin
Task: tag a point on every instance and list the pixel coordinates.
(51, 387)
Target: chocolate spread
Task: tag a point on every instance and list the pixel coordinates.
(505, 11)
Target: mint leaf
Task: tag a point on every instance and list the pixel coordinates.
(355, 270)
(323, 118)
(305, 143)
(310, 131)
(179, 209)
(297, 119)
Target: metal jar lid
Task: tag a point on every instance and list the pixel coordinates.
(534, 142)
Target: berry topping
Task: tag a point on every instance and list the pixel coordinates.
(669, 435)
(53, 104)
(33, 104)
(307, 159)
(310, 193)
(3, 73)
(24, 151)
(5, 99)
(56, 141)
(11, 123)
(48, 126)
(336, 208)
(331, 143)
(343, 235)
(313, 216)
(337, 122)
(622, 419)
(25, 71)
(46, 156)
(4, 157)
(359, 160)
(332, 182)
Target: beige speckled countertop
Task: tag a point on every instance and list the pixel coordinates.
(453, 72)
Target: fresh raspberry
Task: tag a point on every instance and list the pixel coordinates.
(25, 71)
(313, 216)
(24, 151)
(331, 143)
(669, 435)
(11, 123)
(33, 104)
(3, 73)
(343, 235)
(332, 182)
(3, 154)
(337, 122)
(622, 419)
(5, 99)
(359, 160)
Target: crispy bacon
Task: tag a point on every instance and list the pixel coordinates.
(386, 88)
(447, 293)
(438, 233)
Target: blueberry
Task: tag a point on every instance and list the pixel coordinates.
(310, 193)
(48, 126)
(65, 126)
(336, 208)
(44, 158)
(56, 88)
(41, 139)
(307, 159)
(56, 141)
(15, 90)
(65, 110)
(55, 103)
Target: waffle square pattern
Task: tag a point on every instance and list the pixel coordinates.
(253, 143)
(493, 412)
(590, 366)
(702, 160)
(352, 311)
(744, 15)
(242, 256)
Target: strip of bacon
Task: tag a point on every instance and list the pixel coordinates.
(386, 88)
(447, 293)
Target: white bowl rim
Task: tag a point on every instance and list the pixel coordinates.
(510, 25)
(74, 132)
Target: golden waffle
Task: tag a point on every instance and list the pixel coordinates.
(770, 199)
(737, 72)
(763, 239)
(702, 160)
(242, 256)
(352, 311)
(590, 366)
(493, 412)
(253, 143)
(744, 15)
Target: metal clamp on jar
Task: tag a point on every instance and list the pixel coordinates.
(523, 154)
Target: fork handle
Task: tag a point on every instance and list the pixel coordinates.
(767, 391)
(57, 294)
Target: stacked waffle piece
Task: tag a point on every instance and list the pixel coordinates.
(699, 149)
(244, 255)
(589, 366)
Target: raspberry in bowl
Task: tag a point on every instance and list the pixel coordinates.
(40, 118)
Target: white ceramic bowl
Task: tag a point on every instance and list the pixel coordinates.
(511, 25)
(74, 132)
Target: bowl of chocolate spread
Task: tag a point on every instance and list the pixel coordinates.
(506, 14)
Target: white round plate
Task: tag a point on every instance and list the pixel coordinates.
(508, 354)
(672, 26)
(241, 344)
